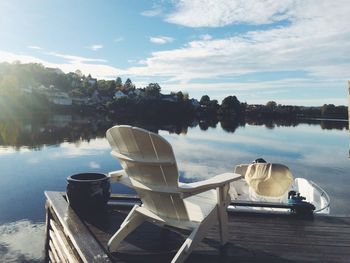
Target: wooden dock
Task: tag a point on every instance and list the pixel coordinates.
(253, 238)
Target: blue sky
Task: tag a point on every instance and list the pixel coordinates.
(290, 51)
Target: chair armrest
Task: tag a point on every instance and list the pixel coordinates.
(120, 176)
(205, 185)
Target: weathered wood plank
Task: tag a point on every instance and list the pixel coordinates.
(62, 241)
(57, 247)
(47, 228)
(54, 257)
(88, 248)
(252, 238)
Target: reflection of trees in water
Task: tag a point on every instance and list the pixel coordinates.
(9, 132)
(34, 131)
(272, 123)
(324, 124)
(330, 125)
(204, 124)
(231, 124)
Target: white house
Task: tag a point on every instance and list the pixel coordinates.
(42, 89)
(28, 89)
(92, 81)
(80, 101)
(170, 97)
(60, 98)
(119, 94)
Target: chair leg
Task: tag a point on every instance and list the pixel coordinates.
(223, 228)
(223, 199)
(186, 247)
(194, 238)
(130, 223)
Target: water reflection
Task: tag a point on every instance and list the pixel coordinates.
(52, 129)
(309, 152)
(38, 153)
(22, 241)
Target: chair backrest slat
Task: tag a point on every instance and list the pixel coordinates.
(147, 151)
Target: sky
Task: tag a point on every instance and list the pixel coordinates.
(294, 52)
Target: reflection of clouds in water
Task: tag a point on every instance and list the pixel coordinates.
(201, 161)
(240, 145)
(82, 148)
(7, 151)
(201, 155)
(321, 156)
(94, 165)
(311, 153)
(22, 241)
(11, 150)
(33, 160)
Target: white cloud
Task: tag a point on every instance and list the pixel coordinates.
(152, 12)
(95, 47)
(34, 47)
(316, 41)
(118, 39)
(206, 37)
(214, 13)
(161, 40)
(260, 92)
(75, 59)
(11, 57)
(72, 63)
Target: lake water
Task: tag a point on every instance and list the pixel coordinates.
(38, 155)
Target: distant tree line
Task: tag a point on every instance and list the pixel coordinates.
(273, 110)
(148, 101)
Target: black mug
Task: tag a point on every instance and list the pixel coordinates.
(88, 192)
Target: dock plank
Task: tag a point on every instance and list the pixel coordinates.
(88, 248)
(253, 237)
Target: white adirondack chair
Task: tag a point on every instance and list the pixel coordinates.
(149, 163)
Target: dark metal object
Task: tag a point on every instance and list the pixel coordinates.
(88, 192)
(259, 160)
(300, 206)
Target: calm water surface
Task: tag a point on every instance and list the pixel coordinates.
(39, 157)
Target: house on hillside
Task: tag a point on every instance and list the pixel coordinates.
(95, 97)
(135, 93)
(80, 101)
(91, 81)
(119, 94)
(169, 97)
(60, 98)
(42, 89)
(27, 89)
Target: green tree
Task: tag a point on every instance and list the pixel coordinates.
(79, 73)
(271, 104)
(231, 104)
(328, 110)
(180, 95)
(205, 100)
(214, 105)
(128, 84)
(186, 95)
(112, 86)
(153, 90)
(118, 82)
